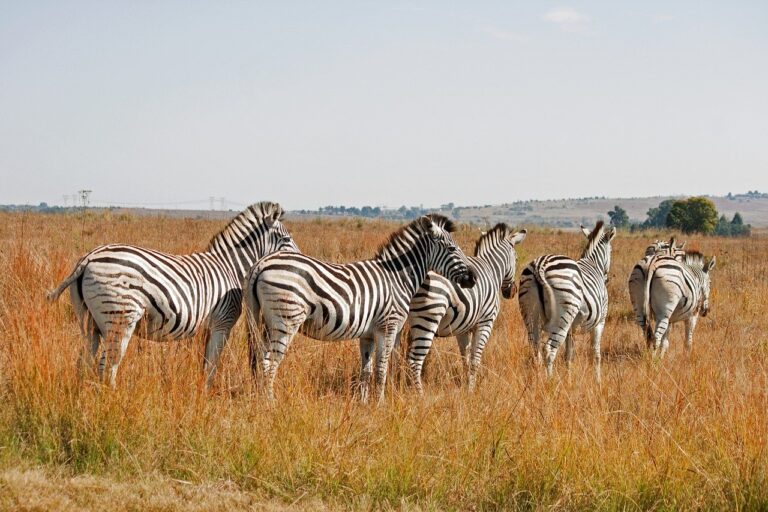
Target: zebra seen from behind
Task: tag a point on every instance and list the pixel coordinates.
(558, 294)
(366, 299)
(675, 291)
(442, 308)
(640, 271)
(116, 288)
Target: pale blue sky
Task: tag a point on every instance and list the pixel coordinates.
(381, 103)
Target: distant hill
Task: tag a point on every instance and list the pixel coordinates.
(569, 213)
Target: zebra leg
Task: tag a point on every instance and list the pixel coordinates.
(690, 325)
(421, 342)
(280, 337)
(465, 349)
(385, 340)
(479, 339)
(659, 335)
(569, 349)
(559, 334)
(88, 329)
(213, 348)
(597, 335)
(366, 367)
(664, 345)
(116, 345)
(91, 346)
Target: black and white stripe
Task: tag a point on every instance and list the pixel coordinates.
(441, 308)
(675, 291)
(558, 294)
(366, 299)
(640, 271)
(117, 288)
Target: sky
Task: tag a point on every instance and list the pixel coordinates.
(381, 103)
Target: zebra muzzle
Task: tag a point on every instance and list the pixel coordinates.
(509, 291)
(467, 280)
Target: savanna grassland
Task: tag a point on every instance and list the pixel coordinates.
(687, 433)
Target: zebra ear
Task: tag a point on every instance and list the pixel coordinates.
(430, 227)
(586, 231)
(274, 216)
(611, 233)
(681, 246)
(518, 237)
(709, 266)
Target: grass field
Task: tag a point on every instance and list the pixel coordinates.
(687, 433)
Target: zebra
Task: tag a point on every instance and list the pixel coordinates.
(115, 288)
(441, 308)
(367, 299)
(676, 291)
(640, 270)
(558, 294)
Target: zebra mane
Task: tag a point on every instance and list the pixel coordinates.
(694, 259)
(490, 236)
(242, 226)
(418, 226)
(593, 239)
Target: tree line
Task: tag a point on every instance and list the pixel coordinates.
(692, 215)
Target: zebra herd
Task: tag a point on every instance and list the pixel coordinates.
(419, 276)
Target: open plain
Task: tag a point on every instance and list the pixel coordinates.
(689, 432)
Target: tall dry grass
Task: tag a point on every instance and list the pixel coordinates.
(688, 433)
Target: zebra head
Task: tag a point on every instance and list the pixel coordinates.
(599, 246)
(674, 250)
(705, 285)
(444, 256)
(656, 247)
(498, 246)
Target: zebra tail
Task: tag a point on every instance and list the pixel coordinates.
(54, 294)
(549, 302)
(252, 306)
(647, 300)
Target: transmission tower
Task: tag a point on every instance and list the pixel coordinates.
(85, 196)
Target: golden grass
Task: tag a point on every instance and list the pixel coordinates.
(688, 433)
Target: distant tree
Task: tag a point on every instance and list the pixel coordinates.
(692, 215)
(619, 217)
(723, 227)
(738, 228)
(657, 217)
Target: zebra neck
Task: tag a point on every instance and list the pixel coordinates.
(593, 263)
(409, 266)
(237, 260)
(498, 259)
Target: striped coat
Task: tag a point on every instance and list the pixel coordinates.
(366, 299)
(117, 289)
(676, 291)
(639, 272)
(558, 294)
(442, 308)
